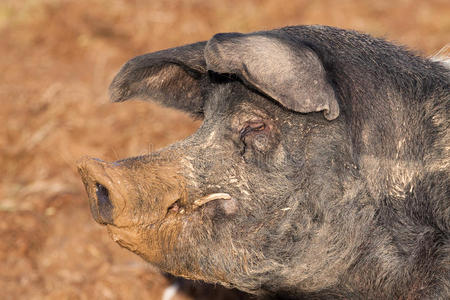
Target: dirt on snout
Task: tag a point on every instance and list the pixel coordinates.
(57, 58)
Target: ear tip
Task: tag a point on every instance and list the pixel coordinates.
(114, 98)
(331, 113)
(330, 116)
(224, 36)
(118, 92)
(119, 89)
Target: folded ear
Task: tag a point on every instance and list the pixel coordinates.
(293, 75)
(174, 77)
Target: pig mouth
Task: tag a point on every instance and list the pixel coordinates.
(181, 208)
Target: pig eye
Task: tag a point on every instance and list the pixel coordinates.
(253, 126)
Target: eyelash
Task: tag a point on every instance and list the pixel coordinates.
(252, 127)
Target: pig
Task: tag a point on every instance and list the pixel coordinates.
(320, 171)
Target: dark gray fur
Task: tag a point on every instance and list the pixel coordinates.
(353, 207)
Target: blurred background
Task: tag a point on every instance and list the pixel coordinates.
(57, 58)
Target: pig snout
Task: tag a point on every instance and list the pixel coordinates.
(103, 185)
(129, 192)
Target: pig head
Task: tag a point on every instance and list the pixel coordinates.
(271, 194)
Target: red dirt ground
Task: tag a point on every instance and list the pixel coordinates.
(57, 58)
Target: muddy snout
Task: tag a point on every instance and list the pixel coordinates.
(127, 192)
(103, 183)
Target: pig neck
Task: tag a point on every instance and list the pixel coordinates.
(399, 133)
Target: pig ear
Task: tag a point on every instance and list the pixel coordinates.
(174, 77)
(292, 75)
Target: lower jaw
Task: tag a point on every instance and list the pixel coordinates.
(124, 237)
(152, 243)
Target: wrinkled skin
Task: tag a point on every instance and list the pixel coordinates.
(334, 187)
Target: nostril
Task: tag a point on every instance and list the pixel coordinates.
(102, 194)
(105, 206)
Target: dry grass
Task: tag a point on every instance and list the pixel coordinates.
(57, 58)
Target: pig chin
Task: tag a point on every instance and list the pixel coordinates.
(153, 244)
